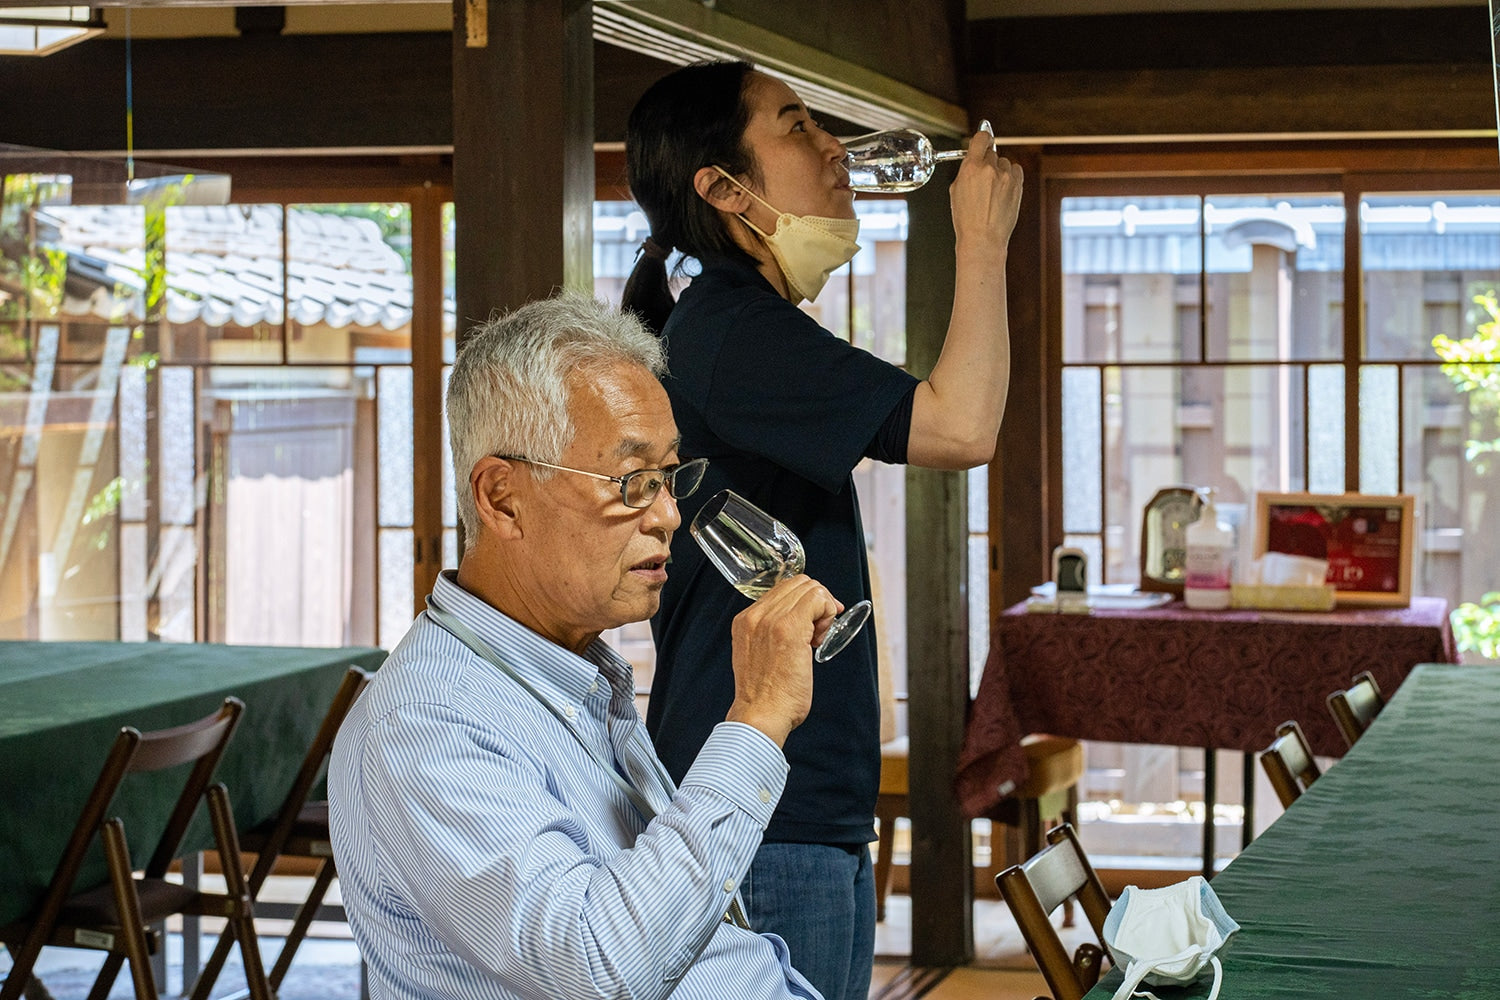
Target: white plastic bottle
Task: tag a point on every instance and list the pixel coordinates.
(1210, 559)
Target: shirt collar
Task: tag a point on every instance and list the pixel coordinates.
(540, 660)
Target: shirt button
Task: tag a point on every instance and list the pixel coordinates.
(570, 711)
(594, 687)
(765, 795)
(729, 885)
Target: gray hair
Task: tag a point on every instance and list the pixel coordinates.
(508, 392)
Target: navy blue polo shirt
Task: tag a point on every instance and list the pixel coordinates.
(783, 410)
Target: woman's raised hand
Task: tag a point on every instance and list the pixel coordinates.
(985, 197)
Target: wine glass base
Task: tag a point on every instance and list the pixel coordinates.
(845, 627)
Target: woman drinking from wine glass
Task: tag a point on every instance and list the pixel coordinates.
(731, 169)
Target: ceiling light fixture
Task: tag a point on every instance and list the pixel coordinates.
(40, 31)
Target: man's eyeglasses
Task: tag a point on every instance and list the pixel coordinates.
(639, 488)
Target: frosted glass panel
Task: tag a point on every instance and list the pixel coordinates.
(1379, 429)
(1082, 441)
(396, 568)
(394, 406)
(178, 464)
(1325, 429)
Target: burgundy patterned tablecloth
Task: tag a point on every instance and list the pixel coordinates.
(1172, 676)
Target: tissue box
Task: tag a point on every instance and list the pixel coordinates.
(1318, 597)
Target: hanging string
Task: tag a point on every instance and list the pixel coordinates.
(129, 107)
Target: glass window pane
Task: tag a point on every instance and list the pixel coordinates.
(1325, 428)
(397, 566)
(1451, 466)
(393, 404)
(1237, 429)
(1275, 277)
(1425, 257)
(880, 279)
(286, 446)
(225, 298)
(1130, 271)
(619, 230)
(349, 283)
(450, 501)
(450, 297)
(1379, 429)
(1082, 445)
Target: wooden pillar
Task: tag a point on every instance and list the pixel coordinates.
(1020, 515)
(523, 154)
(942, 883)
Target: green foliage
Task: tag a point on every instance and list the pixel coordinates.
(1473, 366)
(1477, 626)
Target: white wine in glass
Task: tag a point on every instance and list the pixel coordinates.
(900, 159)
(754, 551)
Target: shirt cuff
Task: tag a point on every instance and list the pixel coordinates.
(745, 766)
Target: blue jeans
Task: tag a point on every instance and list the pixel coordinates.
(820, 899)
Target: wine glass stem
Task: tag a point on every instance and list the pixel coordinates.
(950, 154)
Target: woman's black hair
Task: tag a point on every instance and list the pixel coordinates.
(692, 118)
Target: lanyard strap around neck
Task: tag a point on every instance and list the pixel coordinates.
(466, 635)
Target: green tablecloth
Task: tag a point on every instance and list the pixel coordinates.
(1380, 882)
(61, 704)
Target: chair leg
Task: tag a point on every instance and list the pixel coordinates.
(35, 989)
(19, 981)
(241, 911)
(1070, 816)
(210, 970)
(109, 972)
(132, 923)
(305, 914)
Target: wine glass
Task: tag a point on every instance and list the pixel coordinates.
(754, 551)
(900, 159)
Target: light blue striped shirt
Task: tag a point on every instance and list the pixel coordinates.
(482, 853)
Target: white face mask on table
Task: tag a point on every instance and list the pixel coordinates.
(1167, 936)
(807, 248)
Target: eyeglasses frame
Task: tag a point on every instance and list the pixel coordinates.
(669, 476)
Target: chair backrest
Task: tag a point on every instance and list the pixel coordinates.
(133, 751)
(355, 679)
(1035, 889)
(1355, 708)
(1289, 763)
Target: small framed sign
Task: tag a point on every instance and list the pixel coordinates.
(1366, 539)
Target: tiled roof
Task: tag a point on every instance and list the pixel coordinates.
(224, 266)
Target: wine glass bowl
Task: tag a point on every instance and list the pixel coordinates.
(754, 551)
(895, 160)
(898, 159)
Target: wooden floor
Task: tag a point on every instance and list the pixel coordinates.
(1002, 968)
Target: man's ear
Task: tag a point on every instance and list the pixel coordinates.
(716, 189)
(493, 482)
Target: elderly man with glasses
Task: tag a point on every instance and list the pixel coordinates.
(501, 824)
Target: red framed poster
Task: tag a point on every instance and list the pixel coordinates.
(1367, 540)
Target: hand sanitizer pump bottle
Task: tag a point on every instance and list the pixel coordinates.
(1210, 557)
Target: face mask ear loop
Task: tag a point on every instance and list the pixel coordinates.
(742, 217)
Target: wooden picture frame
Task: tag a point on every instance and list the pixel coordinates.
(1366, 538)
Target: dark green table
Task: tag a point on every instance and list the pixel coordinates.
(1380, 882)
(61, 704)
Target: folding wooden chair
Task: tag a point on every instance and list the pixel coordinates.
(1356, 707)
(115, 917)
(1034, 889)
(1289, 763)
(299, 830)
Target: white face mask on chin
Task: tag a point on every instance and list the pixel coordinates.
(807, 248)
